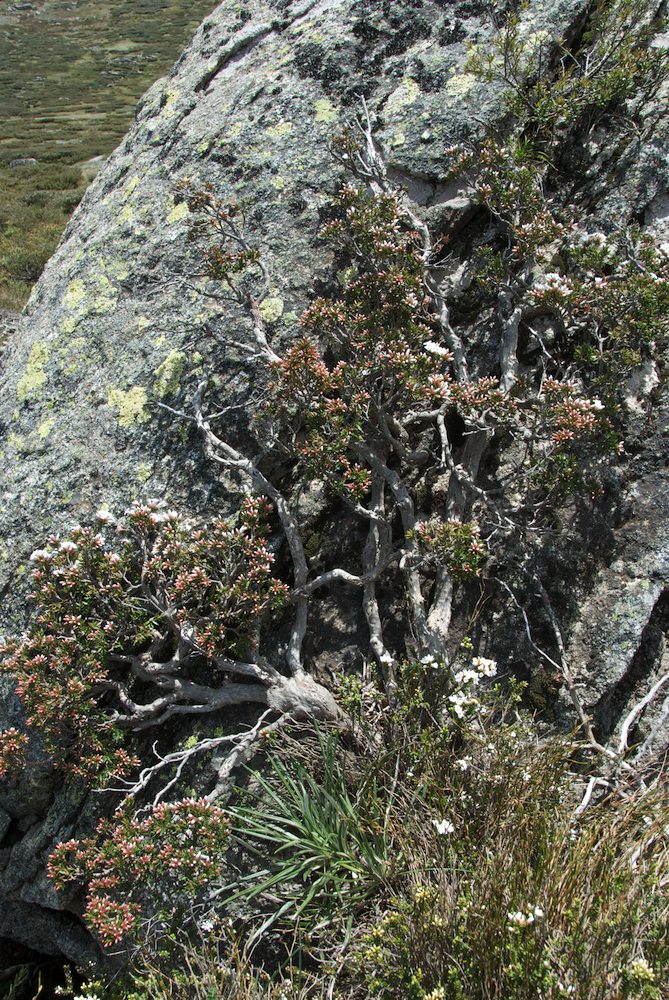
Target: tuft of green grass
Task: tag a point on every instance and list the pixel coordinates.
(329, 841)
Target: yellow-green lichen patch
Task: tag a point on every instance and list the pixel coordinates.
(460, 84)
(168, 103)
(144, 472)
(75, 294)
(130, 405)
(105, 301)
(278, 183)
(168, 374)
(34, 376)
(325, 110)
(130, 187)
(45, 428)
(68, 325)
(281, 128)
(178, 213)
(406, 94)
(126, 215)
(398, 139)
(117, 268)
(271, 309)
(234, 131)
(73, 353)
(16, 443)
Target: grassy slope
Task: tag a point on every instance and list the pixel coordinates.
(70, 74)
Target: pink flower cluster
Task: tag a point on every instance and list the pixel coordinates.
(131, 862)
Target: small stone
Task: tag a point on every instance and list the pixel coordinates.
(23, 161)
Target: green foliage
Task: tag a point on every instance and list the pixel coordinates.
(554, 88)
(507, 892)
(446, 862)
(328, 838)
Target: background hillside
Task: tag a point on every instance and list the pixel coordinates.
(71, 72)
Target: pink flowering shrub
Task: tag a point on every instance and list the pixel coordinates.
(507, 179)
(130, 864)
(373, 357)
(105, 595)
(378, 334)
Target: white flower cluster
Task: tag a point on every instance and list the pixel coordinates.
(466, 680)
(642, 971)
(554, 283)
(105, 517)
(433, 348)
(41, 555)
(485, 667)
(443, 826)
(431, 661)
(520, 919)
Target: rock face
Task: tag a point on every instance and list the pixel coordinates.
(118, 320)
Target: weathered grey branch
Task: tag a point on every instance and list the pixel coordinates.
(224, 454)
(509, 314)
(636, 711)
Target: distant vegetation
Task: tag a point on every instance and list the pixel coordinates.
(71, 72)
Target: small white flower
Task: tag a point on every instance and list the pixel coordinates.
(105, 517)
(485, 667)
(68, 546)
(463, 677)
(443, 826)
(463, 764)
(428, 661)
(40, 555)
(433, 348)
(642, 970)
